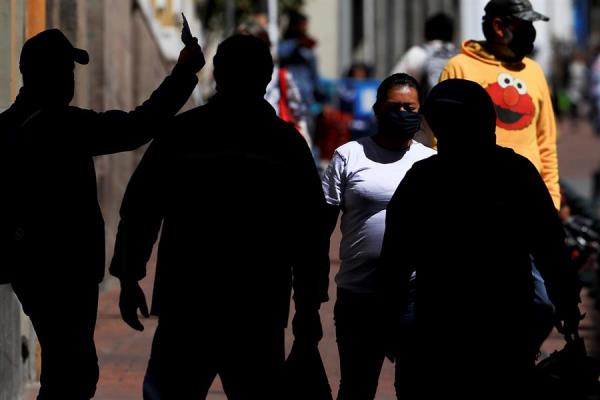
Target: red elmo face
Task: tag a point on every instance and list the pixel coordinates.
(514, 107)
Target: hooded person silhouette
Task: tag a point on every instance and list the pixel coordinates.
(241, 208)
(471, 256)
(54, 231)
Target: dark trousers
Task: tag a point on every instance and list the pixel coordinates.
(64, 319)
(183, 364)
(359, 340)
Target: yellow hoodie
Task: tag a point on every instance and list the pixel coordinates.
(525, 120)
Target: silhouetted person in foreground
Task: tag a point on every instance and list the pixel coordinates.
(240, 203)
(52, 224)
(467, 220)
(525, 120)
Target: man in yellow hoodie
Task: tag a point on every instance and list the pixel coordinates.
(524, 117)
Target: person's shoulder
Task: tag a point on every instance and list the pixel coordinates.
(459, 59)
(72, 111)
(424, 170)
(417, 51)
(280, 124)
(457, 66)
(353, 150)
(282, 129)
(6, 115)
(283, 136)
(7, 121)
(533, 66)
(202, 111)
(420, 150)
(183, 131)
(519, 162)
(426, 163)
(354, 146)
(508, 153)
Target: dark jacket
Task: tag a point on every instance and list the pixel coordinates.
(240, 202)
(55, 228)
(469, 226)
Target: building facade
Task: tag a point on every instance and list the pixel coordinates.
(378, 32)
(19, 19)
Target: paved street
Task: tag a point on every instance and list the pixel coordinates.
(123, 352)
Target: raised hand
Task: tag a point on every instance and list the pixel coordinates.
(191, 57)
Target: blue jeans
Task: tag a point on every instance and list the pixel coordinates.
(543, 309)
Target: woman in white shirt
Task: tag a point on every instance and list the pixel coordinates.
(360, 181)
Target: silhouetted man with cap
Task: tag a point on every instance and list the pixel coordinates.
(241, 206)
(525, 119)
(54, 231)
(474, 335)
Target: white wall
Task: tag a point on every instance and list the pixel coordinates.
(323, 24)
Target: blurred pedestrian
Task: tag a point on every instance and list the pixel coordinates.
(349, 92)
(240, 203)
(471, 257)
(425, 62)
(595, 91)
(525, 120)
(53, 229)
(359, 182)
(296, 53)
(282, 91)
(344, 117)
(577, 85)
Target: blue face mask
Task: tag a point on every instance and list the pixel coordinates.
(402, 124)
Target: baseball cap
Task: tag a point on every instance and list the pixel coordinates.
(47, 46)
(521, 9)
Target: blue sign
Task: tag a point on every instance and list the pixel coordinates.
(366, 94)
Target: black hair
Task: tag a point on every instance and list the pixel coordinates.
(243, 63)
(359, 65)
(393, 81)
(294, 19)
(439, 26)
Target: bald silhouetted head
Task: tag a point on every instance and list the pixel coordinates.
(462, 116)
(243, 66)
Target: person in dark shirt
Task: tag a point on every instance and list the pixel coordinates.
(53, 232)
(466, 221)
(240, 203)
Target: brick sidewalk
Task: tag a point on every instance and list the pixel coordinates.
(123, 352)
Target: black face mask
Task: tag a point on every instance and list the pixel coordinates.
(401, 124)
(521, 42)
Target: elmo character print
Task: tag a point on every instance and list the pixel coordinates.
(514, 106)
